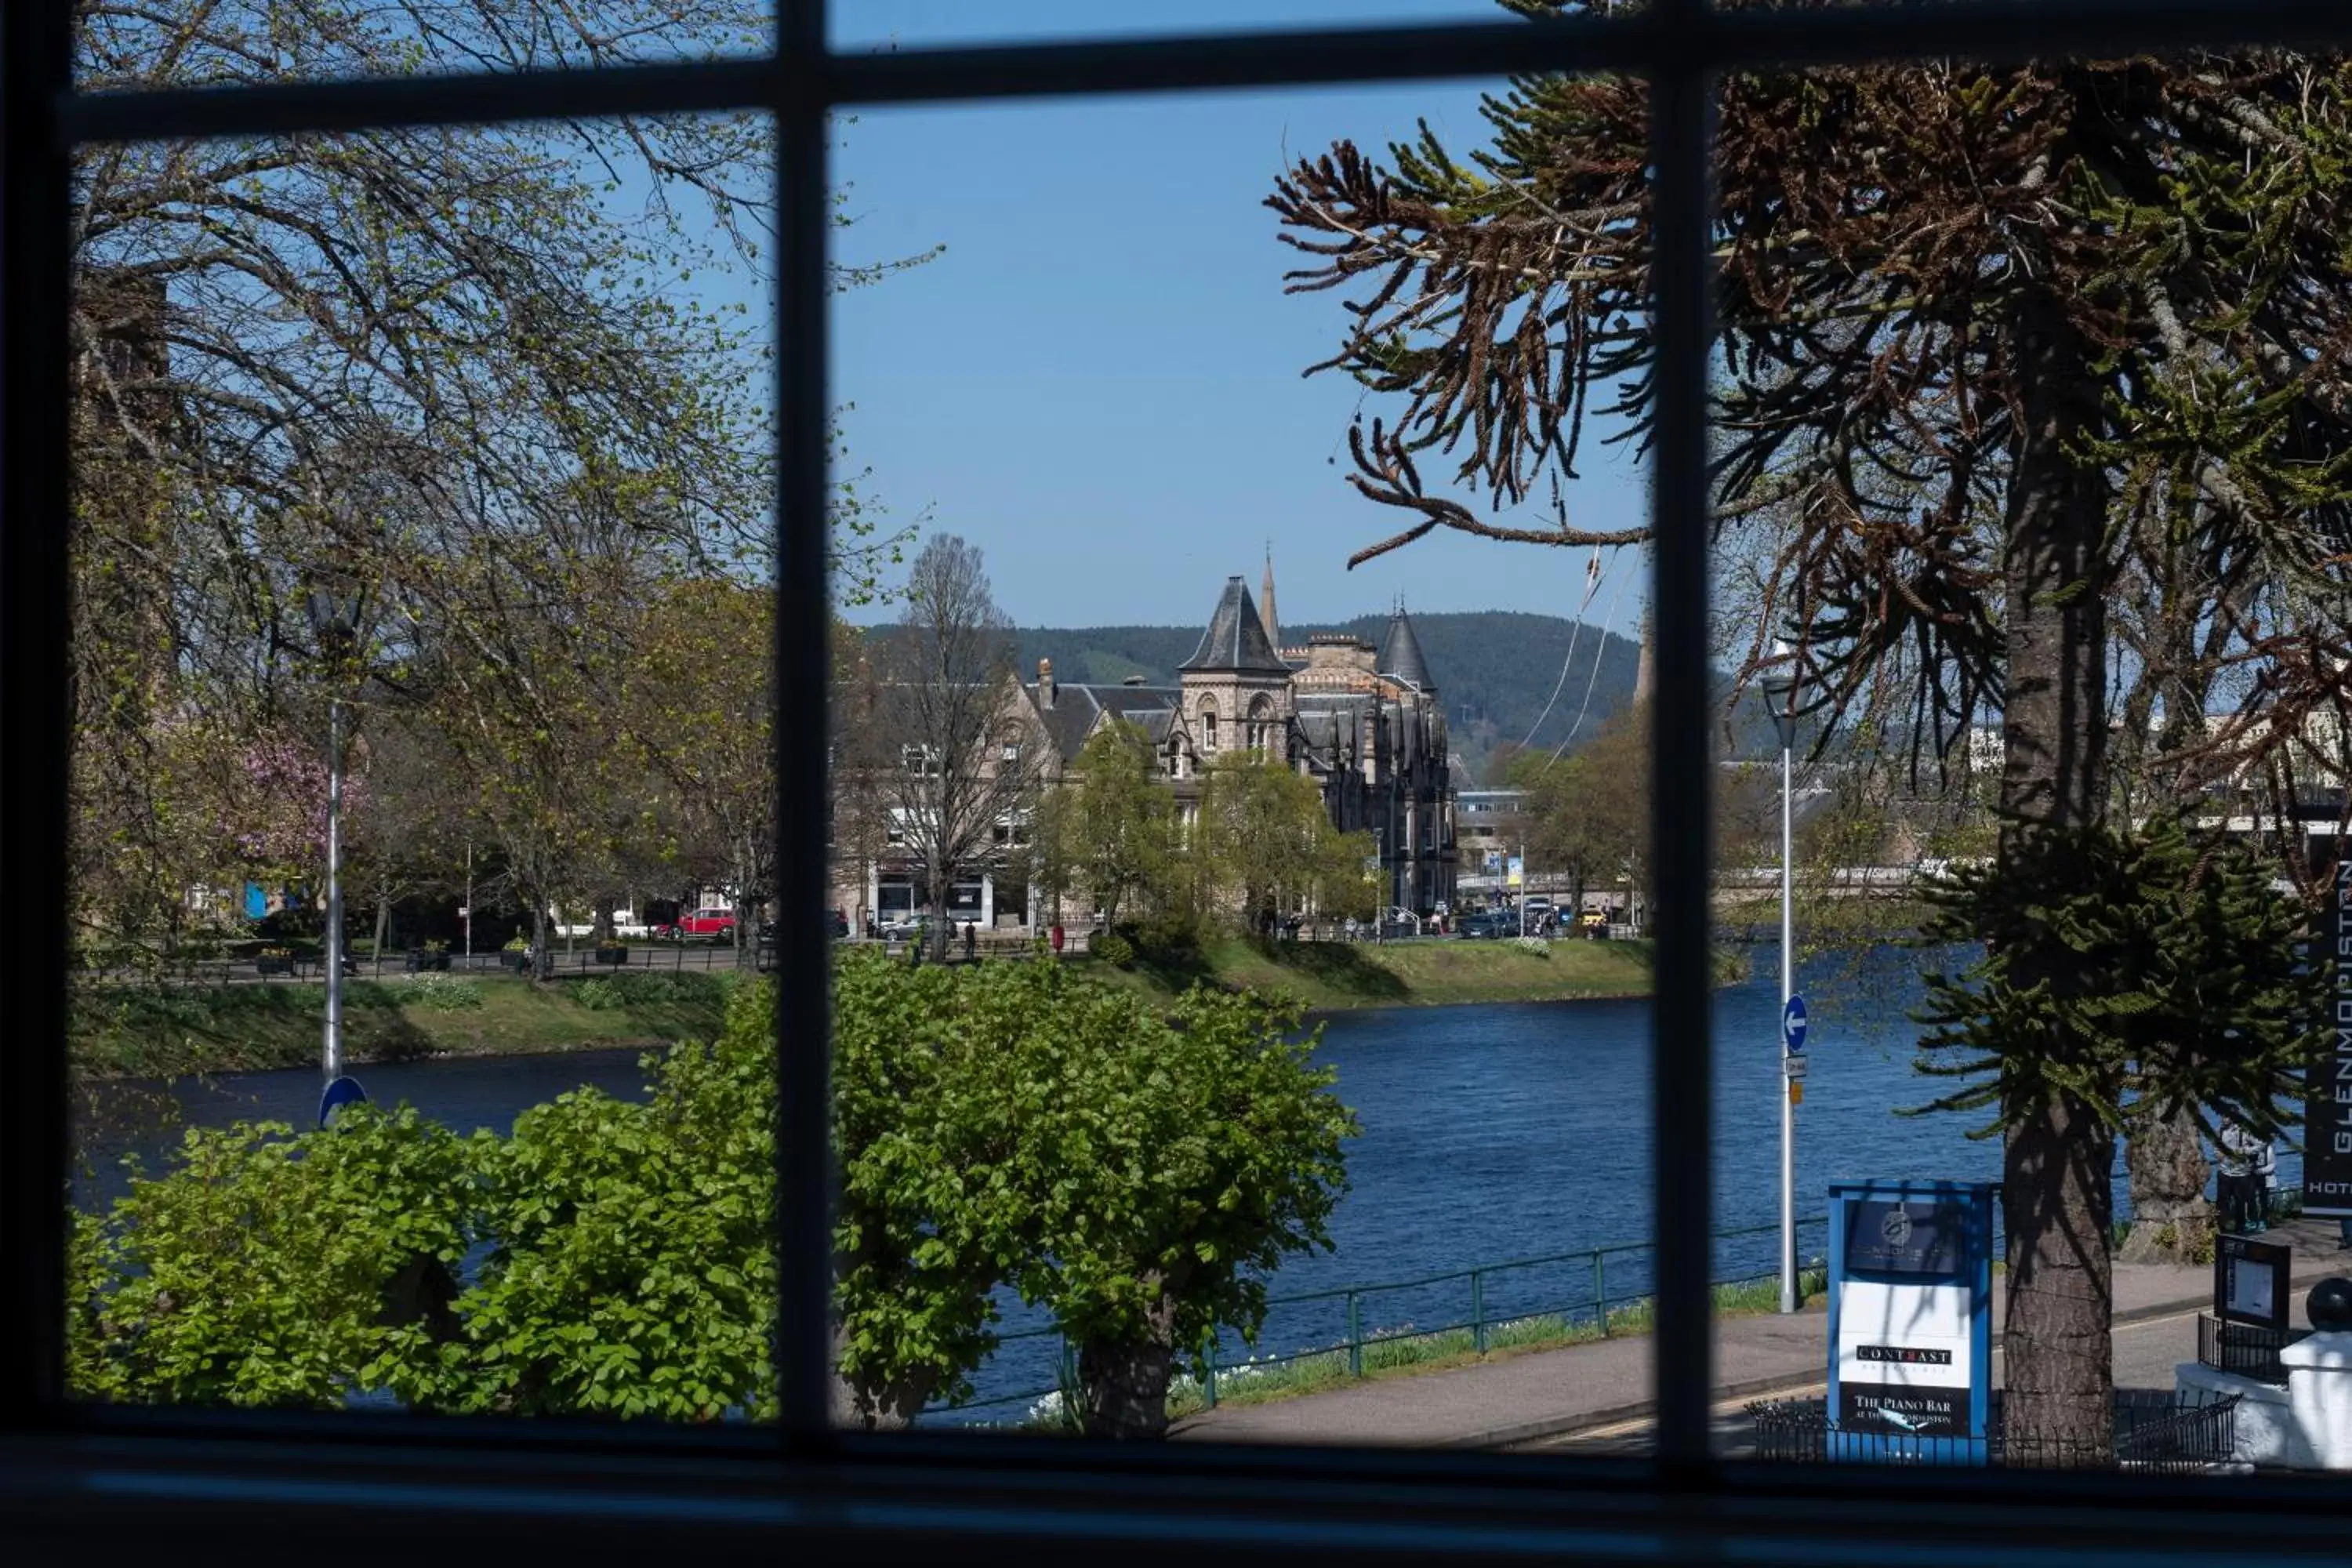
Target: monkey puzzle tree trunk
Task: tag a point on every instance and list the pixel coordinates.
(2056, 1198)
(2171, 1221)
(2165, 1157)
(1125, 1382)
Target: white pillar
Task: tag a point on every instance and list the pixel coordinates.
(2319, 1398)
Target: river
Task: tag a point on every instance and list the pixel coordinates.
(1489, 1133)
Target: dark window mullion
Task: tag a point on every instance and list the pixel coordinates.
(36, 55)
(803, 688)
(1682, 1048)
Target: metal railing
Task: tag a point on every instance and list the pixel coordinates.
(1479, 1317)
(2248, 1350)
(640, 955)
(2157, 1431)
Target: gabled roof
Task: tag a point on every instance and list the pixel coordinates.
(1078, 707)
(1236, 638)
(1400, 653)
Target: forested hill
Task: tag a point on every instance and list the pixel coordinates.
(1493, 669)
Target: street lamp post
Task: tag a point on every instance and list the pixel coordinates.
(334, 620)
(1780, 696)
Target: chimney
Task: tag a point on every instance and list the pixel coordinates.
(1045, 684)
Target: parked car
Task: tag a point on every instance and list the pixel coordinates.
(901, 925)
(706, 925)
(1486, 924)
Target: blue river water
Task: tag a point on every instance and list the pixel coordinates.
(1490, 1133)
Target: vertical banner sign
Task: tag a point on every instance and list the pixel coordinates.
(1910, 1321)
(2327, 1088)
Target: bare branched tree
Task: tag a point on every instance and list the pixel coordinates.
(953, 746)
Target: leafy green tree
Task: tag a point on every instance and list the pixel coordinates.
(1263, 834)
(1159, 1169)
(268, 1270)
(1111, 830)
(1588, 812)
(630, 1268)
(698, 708)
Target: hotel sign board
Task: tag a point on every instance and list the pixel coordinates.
(1910, 1321)
(2327, 1083)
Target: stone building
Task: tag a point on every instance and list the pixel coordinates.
(1363, 720)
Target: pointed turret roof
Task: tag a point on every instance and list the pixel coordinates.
(1400, 653)
(1236, 638)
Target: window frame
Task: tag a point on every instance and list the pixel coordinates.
(802, 1477)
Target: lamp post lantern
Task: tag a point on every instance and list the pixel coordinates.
(334, 613)
(1781, 697)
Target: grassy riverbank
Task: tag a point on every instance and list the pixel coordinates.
(160, 1031)
(1330, 975)
(154, 1031)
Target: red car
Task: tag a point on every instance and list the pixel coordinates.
(714, 925)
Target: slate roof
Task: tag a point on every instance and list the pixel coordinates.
(1400, 654)
(1236, 638)
(1077, 706)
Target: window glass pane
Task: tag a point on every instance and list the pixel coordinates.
(1125, 631)
(421, 577)
(254, 42)
(2004, 512)
(907, 24)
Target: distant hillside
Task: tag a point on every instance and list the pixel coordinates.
(1493, 669)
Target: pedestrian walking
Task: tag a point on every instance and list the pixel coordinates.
(1058, 939)
(971, 940)
(2236, 1186)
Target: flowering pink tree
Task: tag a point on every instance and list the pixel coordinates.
(280, 820)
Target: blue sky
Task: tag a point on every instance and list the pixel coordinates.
(1097, 382)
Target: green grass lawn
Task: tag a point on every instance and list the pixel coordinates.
(1327, 975)
(160, 1031)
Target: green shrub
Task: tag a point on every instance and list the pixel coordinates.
(600, 995)
(1113, 948)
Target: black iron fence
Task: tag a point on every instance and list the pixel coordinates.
(2248, 1350)
(2157, 1431)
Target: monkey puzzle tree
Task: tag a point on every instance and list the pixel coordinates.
(1971, 321)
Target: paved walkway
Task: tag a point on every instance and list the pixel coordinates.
(1524, 1398)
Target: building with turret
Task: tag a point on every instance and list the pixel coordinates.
(1363, 720)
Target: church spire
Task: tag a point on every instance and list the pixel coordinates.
(1265, 602)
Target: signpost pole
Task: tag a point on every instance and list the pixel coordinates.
(1788, 1098)
(1783, 690)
